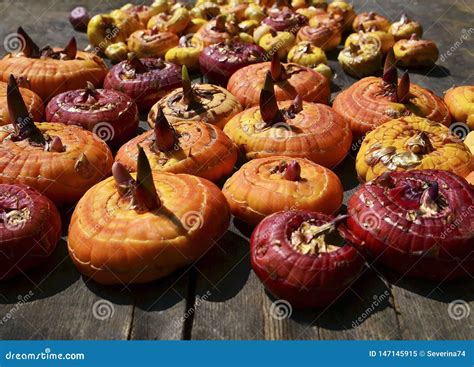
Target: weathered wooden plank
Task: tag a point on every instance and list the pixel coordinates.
(62, 302)
(434, 310)
(55, 302)
(364, 312)
(160, 308)
(230, 295)
(232, 302)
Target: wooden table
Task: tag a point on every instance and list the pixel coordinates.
(220, 297)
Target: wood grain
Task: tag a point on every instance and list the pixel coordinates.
(160, 307)
(448, 304)
(220, 297)
(55, 302)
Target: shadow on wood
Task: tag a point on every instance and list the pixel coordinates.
(366, 297)
(160, 294)
(48, 279)
(242, 228)
(225, 269)
(444, 291)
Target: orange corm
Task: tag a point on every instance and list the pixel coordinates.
(192, 147)
(61, 161)
(460, 101)
(265, 186)
(33, 103)
(51, 71)
(372, 101)
(138, 228)
(290, 128)
(290, 80)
